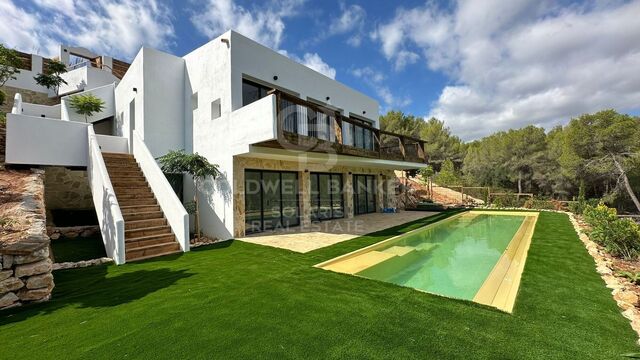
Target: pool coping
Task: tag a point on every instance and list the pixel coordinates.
(507, 285)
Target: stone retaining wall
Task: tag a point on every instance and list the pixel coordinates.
(67, 189)
(25, 266)
(28, 96)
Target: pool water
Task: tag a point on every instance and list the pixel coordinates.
(452, 258)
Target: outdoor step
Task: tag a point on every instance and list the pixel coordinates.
(136, 202)
(131, 188)
(149, 240)
(126, 175)
(152, 252)
(142, 215)
(142, 195)
(135, 209)
(148, 223)
(126, 182)
(120, 164)
(111, 155)
(154, 230)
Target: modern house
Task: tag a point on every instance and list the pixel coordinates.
(293, 146)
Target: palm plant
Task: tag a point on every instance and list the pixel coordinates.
(195, 165)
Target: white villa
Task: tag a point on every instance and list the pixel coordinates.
(294, 147)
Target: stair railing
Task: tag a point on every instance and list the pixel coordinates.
(104, 199)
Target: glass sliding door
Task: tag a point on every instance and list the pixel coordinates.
(364, 194)
(327, 200)
(271, 212)
(252, 202)
(271, 200)
(289, 186)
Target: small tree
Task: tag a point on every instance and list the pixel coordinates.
(427, 175)
(9, 64)
(86, 105)
(196, 165)
(447, 174)
(51, 79)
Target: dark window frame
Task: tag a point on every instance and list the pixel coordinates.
(262, 222)
(342, 202)
(356, 196)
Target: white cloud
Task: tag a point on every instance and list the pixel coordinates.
(114, 27)
(312, 61)
(315, 62)
(515, 63)
(350, 23)
(375, 80)
(264, 24)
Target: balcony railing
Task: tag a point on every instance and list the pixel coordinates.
(307, 126)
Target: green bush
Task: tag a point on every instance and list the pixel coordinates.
(620, 237)
(509, 200)
(578, 207)
(542, 204)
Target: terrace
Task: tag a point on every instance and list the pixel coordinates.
(307, 126)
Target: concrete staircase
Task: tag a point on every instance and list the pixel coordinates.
(147, 233)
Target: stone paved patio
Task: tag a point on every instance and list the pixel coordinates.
(318, 235)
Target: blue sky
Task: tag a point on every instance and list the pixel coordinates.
(480, 66)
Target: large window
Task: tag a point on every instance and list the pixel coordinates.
(271, 200)
(357, 136)
(252, 92)
(364, 194)
(327, 200)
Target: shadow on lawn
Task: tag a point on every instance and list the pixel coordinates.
(93, 288)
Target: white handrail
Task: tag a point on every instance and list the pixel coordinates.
(173, 210)
(104, 199)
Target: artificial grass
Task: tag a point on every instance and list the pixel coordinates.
(240, 300)
(77, 249)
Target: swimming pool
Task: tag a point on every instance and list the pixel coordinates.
(477, 255)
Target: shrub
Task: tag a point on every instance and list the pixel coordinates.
(620, 237)
(578, 207)
(542, 204)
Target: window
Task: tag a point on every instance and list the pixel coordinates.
(194, 101)
(252, 92)
(271, 200)
(326, 196)
(215, 109)
(364, 194)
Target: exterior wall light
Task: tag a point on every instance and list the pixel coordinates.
(328, 98)
(364, 112)
(275, 77)
(226, 41)
(135, 89)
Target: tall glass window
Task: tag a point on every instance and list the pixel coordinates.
(364, 194)
(271, 200)
(327, 201)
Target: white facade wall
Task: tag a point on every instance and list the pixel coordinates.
(47, 111)
(56, 142)
(208, 76)
(252, 60)
(85, 77)
(163, 92)
(125, 96)
(106, 93)
(24, 79)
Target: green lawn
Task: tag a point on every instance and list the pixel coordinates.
(81, 248)
(239, 300)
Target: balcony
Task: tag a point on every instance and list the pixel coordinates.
(305, 126)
